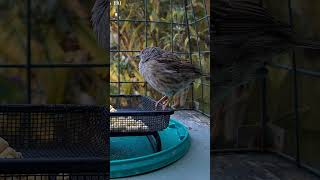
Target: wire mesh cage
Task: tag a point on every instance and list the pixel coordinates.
(55, 138)
(137, 114)
(178, 26)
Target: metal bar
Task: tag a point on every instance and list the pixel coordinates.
(29, 51)
(295, 92)
(155, 141)
(296, 107)
(198, 47)
(208, 24)
(190, 48)
(69, 65)
(31, 66)
(147, 21)
(127, 82)
(117, 51)
(263, 103)
(146, 35)
(171, 9)
(119, 47)
(13, 65)
(299, 70)
(264, 118)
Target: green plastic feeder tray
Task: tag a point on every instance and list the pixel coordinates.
(134, 155)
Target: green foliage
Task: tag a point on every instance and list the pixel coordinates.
(61, 34)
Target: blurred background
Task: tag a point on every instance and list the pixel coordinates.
(63, 64)
(181, 26)
(241, 126)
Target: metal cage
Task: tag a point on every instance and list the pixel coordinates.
(172, 25)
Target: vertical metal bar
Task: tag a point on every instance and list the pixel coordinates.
(264, 117)
(295, 92)
(198, 47)
(29, 52)
(119, 47)
(146, 34)
(171, 9)
(296, 106)
(263, 95)
(190, 48)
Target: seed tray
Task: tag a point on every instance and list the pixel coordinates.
(55, 138)
(137, 115)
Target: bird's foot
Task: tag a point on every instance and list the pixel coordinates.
(164, 98)
(165, 104)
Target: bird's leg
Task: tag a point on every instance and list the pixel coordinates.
(164, 98)
(166, 103)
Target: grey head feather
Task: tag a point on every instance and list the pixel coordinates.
(150, 53)
(99, 19)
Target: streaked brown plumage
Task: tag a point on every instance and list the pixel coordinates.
(166, 73)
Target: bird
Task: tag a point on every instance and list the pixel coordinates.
(166, 72)
(163, 70)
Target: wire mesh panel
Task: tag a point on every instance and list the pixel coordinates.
(136, 114)
(53, 136)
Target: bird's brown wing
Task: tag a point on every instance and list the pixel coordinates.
(180, 68)
(100, 18)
